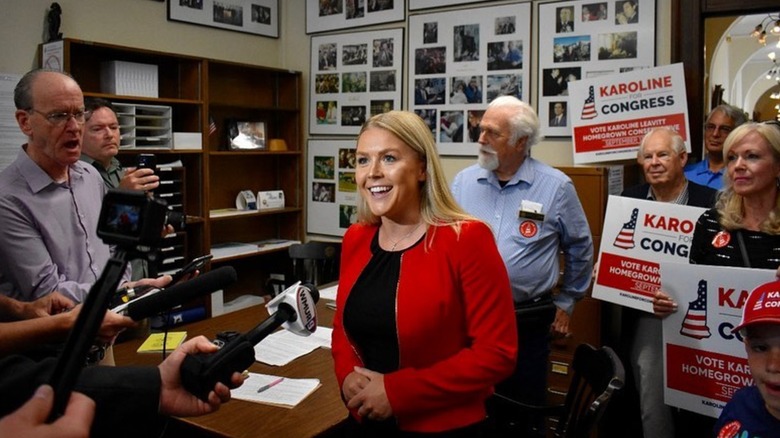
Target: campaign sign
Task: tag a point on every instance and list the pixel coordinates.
(637, 235)
(610, 114)
(704, 362)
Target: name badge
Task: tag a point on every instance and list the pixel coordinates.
(530, 210)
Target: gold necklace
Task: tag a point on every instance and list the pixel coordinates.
(405, 236)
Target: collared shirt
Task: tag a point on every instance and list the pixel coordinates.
(111, 176)
(681, 199)
(530, 247)
(700, 173)
(48, 231)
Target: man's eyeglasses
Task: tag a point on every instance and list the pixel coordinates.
(709, 127)
(60, 118)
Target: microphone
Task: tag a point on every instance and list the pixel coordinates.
(181, 293)
(295, 309)
(302, 298)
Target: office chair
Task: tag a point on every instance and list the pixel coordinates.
(598, 373)
(315, 262)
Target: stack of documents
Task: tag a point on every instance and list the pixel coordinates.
(282, 347)
(275, 390)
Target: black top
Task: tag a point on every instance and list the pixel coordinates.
(369, 312)
(763, 249)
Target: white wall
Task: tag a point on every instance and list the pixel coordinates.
(143, 24)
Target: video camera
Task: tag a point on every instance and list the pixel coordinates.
(132, 220)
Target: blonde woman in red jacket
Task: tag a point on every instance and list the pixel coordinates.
(425, 323)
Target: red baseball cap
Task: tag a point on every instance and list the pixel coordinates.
(762, 305)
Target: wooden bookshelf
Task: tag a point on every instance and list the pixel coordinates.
(199, 90)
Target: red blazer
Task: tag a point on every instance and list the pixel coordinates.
(455, 320)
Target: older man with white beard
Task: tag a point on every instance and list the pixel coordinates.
(535, 214)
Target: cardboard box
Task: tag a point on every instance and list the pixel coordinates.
(188, 140)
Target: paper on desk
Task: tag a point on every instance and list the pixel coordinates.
(282, 347)
(287, 394)
(329, 293)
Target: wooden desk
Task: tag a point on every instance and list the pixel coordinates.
(318, 414)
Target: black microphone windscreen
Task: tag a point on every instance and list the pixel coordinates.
(315, 293)
(181, 293)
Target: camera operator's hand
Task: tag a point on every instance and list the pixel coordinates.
(139, 179)
(159, 282)
(30, 419)
(168, 229)
(174, 399)
(113, 324)
(50, 304)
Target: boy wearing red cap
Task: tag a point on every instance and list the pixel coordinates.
(754, 411)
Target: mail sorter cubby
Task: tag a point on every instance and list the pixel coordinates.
(144, 126)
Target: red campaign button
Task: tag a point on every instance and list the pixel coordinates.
(721, 239)
(528, 229)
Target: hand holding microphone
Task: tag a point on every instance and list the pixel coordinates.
(295, 309)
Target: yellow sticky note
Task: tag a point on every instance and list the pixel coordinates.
(154, 343)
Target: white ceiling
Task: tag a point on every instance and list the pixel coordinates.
(740, 63)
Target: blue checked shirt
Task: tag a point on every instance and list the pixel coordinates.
(532, 256)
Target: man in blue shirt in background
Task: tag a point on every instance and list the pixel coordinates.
(535, 214)
(720, 122)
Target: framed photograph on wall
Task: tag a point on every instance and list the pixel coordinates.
(331, 189)
(425, 4)
(260, 17)
(353, 77)
(459, 61)
(324, 15)
(584, 39)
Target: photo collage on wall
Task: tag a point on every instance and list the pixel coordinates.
(459, 62)
(584, 39)
(354, 76)
(324, 15)
(424, 4)
(332, 192)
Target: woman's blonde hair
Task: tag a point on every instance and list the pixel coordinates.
(730, 204)
(437, 205)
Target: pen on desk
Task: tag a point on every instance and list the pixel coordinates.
(270, 385)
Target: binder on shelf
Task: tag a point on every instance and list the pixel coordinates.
(129, 79)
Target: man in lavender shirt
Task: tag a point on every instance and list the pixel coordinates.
(50, 201)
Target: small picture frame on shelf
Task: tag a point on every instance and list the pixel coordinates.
(246, 135)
